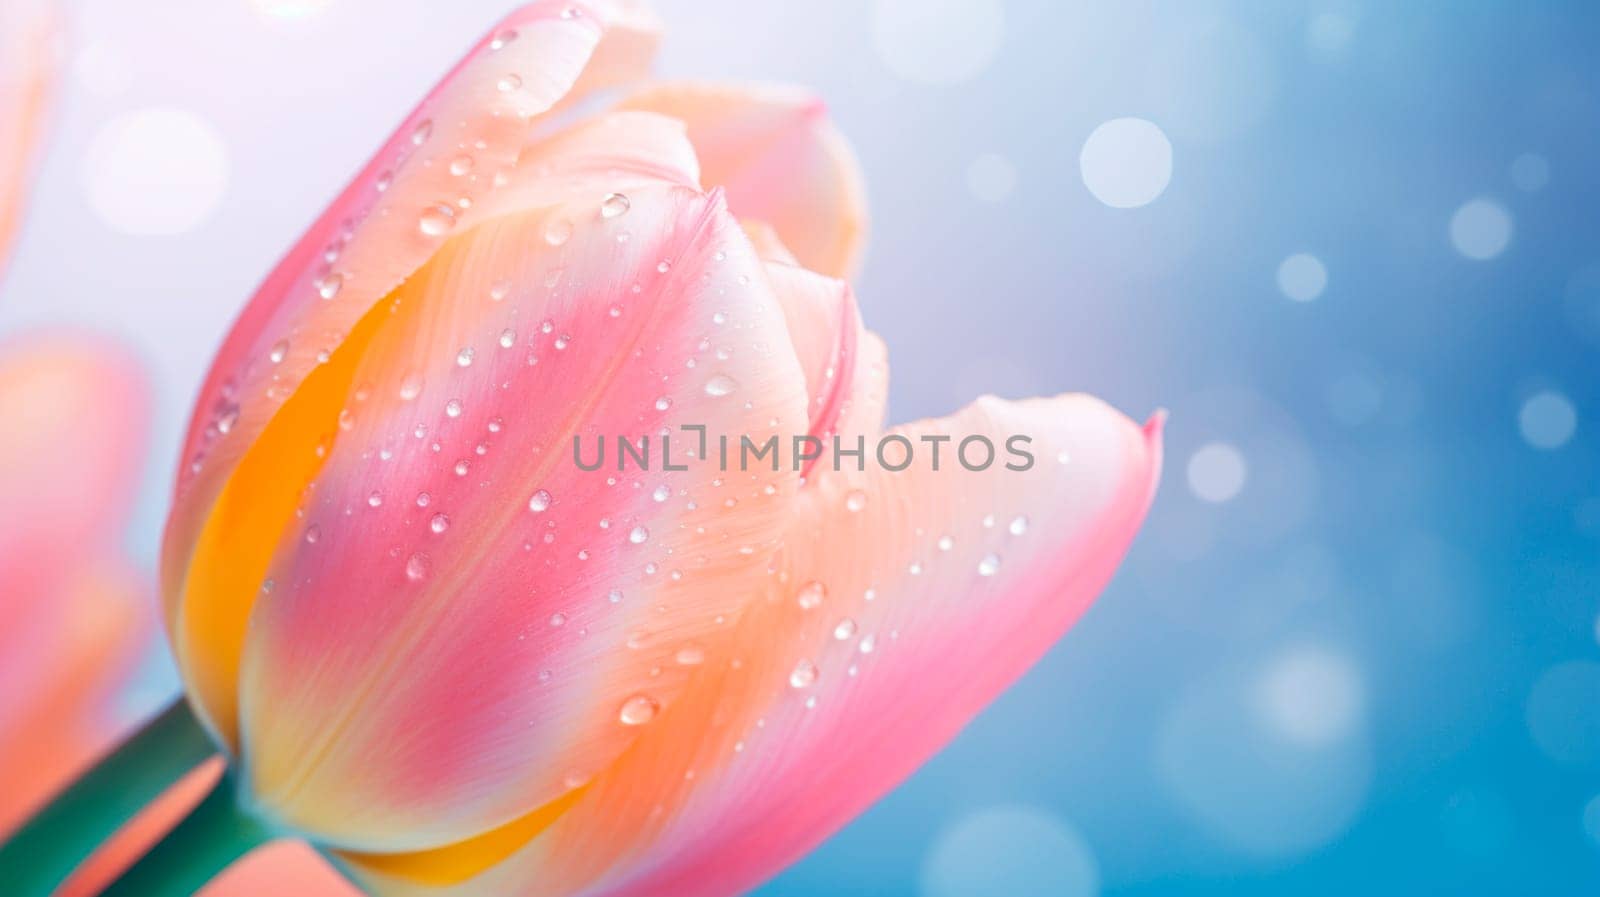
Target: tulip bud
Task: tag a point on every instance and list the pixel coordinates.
(437, 643)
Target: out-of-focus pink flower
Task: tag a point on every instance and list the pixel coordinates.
(74, 614)
(29, 58)
(434, 644)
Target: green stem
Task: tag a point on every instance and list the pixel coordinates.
(51, 845)
(206, 842)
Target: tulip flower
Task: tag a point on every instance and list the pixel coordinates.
(28, 61)
(432, 640)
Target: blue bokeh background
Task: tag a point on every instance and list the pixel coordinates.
(1354, 652)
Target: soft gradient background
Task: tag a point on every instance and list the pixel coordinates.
(1354, 652)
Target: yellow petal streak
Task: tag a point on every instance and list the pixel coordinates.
(455, 863)
(252, 513)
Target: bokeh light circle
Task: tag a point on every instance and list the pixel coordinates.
(1262, 787)
(937, 41)
(1302, 277)
(1547, 420)
(1312, 696)
(1016, 851)
(1561, 713)
(156, 171)
(1126, 162)
(1217, 472)
(1480, 229)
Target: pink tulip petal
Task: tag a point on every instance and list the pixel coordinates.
(29, 57)
(825, 328)
(826, 704)
(418, 675)
(773, 148)
(465, 156)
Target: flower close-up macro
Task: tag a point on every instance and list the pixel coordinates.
(865, 448)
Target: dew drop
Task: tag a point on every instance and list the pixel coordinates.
(508, 338)
(855, 500)
(410, 387)
(423, 499)
(502, 38)
(691, 655)
(461, 165)
(1019, 525)
(439, 523)
(989, 566)
(279, 351)
(804, 674)
(638, 535)
(662, 493)
(452, 408)
(437, 219)
(500, 290)
(540, 502)
(417, 567)
(375, 499)
(638, 710)
(423, 131)
(558, 619)
(509, 83)
(613, 205)
(721, 385)
(811, 595)
(313, 533)
(614, 596)
(464, 357)
(663, 403)
(330, 286)
(845, 630)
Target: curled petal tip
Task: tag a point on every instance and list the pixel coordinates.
(1155, 425)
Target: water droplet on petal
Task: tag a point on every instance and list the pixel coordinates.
(663, 403)
(423, 131)
(437, 219)
(804, 674)
(662, 493)
(461, 165)
(502, 38)
(638, 535)
(811, 595)
(721, 385)
(330, 286)
(638, 710)
(855, 500)
(464, 357)
(613, 205)
(313, 533)
(410, 387)
(509, 83)
(279, 351)
(452, 408)
(417, 567)
(989, 566)
(691, 655)
(439, 523)
(558, 619)
(845, 630)
(540, 502)
(1019, 525)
